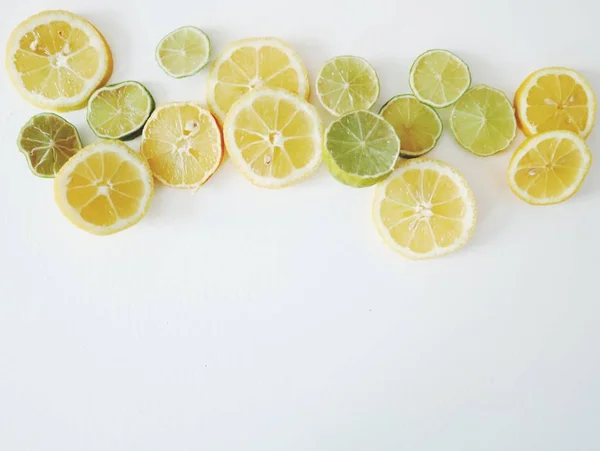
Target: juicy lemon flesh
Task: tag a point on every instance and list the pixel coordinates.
(55, 60)
(182, 145)
(440, 78)
(557, 102)
(423, 210)
(116, 112)
(275, 138)
(104, 188)
(183, 52)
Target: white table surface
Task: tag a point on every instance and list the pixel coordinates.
(238, 318)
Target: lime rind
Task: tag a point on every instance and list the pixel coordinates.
(135, 129)
(199, 66)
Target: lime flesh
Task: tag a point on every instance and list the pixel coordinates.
(183, 52)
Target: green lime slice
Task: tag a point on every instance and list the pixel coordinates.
(48, 141)
(347, 83)
(183, 52)
(361, 148)
(418, 126)
(119, 111)
(483, 121)
(439, 78)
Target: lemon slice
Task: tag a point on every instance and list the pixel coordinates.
(424, 209)
(549, 168)
(483, 121)
(254, 63)
(556, 98)
(418, 126)
(104, 188)
(273, 137)
(347, 83)
(183, 52)
(183, 145)
(57, 59)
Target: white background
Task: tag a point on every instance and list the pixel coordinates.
(238, 318)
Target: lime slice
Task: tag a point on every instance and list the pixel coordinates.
(418, 126)
(48, 141)
(347, 83)
(439, 78)
(361, 148)
(183, 52)
(483, 121)
(120, 111)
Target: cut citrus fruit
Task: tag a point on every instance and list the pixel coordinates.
(56, 59)
(424, 209)
(48, 141)
(347, 83)
(361, 148)
(418, 126)
(556, 98)
(183, 145)
(104, 188)
(183, 52)
(549, 168)
(120, 111)
(274, 137)
(439, 78)
(250, 64)
(483, 121)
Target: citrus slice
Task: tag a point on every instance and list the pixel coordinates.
(274, 137)
(418, 126)
(48, 141)
(120, 111)
(556, 98)
(361, 148)
(549, 168)
(254, 63)
(56, 59)
(424, 209)
(183, 145)
(439, 78)
(483, 121)
(104, 188)
(183, 52)
(347, 83)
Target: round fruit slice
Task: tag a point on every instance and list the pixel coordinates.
(439, 78)
(48, 141)
(425, 209)
(56, 59)
(120, 111)
(254, 63)
(183, 52)
(418, 126)
(347, 83)
(361, 148)
(549, 168)
(483, 121)
(556, 98)
(183, 145)
(274, 137)
(104, 188)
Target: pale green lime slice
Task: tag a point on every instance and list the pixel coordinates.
(361, 148)
(483, 121)
(183, 52)
(439, 78)
(120, 111)
(48, 141)
(347, 83)
(418, 126)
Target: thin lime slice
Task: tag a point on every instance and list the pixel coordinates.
(120, 111)
(361, 148)
(439, 78)
(347, 83)
(483, 121)
(183, 52)
(418, 126)
(48, 141)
